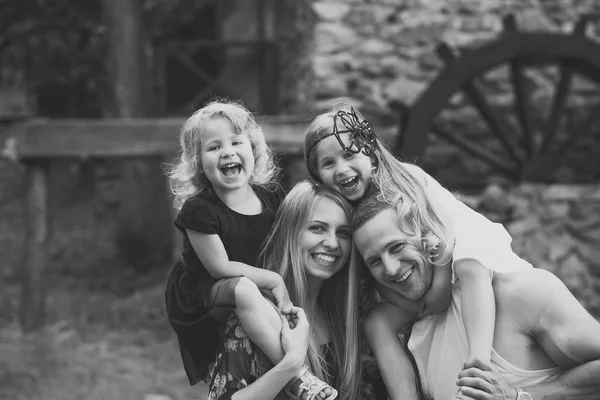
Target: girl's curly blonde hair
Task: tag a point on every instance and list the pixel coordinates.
(186, 178)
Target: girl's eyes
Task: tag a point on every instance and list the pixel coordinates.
(326, 164)
(211, 148)
(348, 155)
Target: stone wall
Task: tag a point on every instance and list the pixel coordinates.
(381, 51)
(555, 227)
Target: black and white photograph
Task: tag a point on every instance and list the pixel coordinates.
(299, 199)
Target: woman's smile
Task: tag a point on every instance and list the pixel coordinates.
(326, 239)
(324, 259)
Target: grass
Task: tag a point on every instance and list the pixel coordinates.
(106, 337)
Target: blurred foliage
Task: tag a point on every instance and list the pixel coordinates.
(57, 49)
(51, 42)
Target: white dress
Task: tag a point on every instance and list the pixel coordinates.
(439, 346)
(476, 237)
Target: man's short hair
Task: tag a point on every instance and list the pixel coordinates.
(368, 208)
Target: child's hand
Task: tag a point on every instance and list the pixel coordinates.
(477, 362)
(479, 380)
(459, 395)
(279, 292)
(281, 296)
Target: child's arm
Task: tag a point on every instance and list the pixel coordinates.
(382, 326)
(213, 256)
(478, 307)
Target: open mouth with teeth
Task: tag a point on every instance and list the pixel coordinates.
(405, 276)
(349, 183)
(324, 259)
(231, 169)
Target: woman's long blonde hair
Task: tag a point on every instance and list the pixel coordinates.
(338, 296)
(400, 184)
(186, 178)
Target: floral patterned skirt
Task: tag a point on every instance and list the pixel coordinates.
(239, 363)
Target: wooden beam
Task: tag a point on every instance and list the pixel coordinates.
(33, 299)
(139, 137)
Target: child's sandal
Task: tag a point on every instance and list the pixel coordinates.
(309, 384)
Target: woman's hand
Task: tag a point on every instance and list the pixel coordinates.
(294, 334)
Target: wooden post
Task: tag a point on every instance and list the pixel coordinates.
(144, 233)
(37, 231)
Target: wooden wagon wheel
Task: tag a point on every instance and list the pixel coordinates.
(522, 153)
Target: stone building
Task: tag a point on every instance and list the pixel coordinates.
(383, 51)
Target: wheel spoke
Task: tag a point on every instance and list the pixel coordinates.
(561, 93)
(518, 80)
(522, 106)
(474, 93)
(559, 104)
(477, 152)
(581, 129)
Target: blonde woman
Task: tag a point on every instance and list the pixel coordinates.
(310, 246)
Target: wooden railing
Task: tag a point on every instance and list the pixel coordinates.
(36, 142)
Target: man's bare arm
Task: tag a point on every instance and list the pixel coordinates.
(571, 338)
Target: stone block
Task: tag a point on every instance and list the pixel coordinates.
(393, 65)
(573, 272)
(368, 19)
(334, 86)
(476, 23)
(403, 90)
(330, 11)
(331, 38)
(371, 68)
(323, 66)
(565, 192)
(376, 47)
(524, 227)
(495, 199)
(533, 20)
(553, 211)
(560, 248)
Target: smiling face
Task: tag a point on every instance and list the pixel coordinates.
(345, 173)
(326, 240)
(393, 256)
(227, 157)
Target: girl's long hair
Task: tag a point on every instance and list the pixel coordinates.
(402, 185)
(185, 177)
(338, 296)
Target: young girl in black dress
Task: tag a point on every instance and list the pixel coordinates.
(227, 196)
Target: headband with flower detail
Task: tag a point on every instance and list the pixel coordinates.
(362, 136)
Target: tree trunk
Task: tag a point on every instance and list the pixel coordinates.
(144, 235)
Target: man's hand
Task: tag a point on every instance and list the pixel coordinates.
(480, 382)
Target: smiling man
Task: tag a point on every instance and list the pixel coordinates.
(545, 346)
